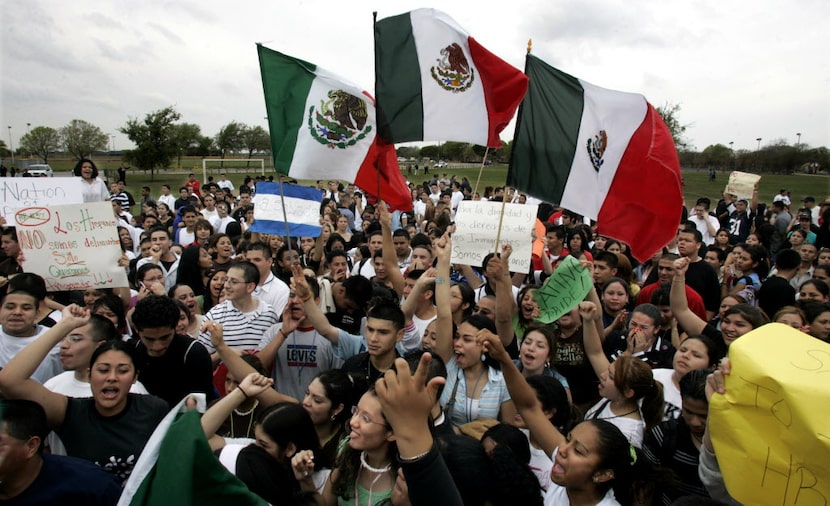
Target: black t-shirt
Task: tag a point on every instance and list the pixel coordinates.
(113, 442)
(703, 279)
(572, 362)
(775, 293)
(184, 369)
(69, 481)
(349, 322)
(361, 365)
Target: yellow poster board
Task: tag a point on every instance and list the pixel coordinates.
(771, 429)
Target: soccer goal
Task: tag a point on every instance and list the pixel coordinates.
(218, 165)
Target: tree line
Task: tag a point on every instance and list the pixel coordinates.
(160, 138)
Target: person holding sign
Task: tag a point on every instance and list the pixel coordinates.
(475, 386)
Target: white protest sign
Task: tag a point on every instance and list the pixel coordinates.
(73, 247)
(741, 184)
(476, 228)
(18, 192)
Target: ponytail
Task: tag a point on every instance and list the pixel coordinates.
(632, 373)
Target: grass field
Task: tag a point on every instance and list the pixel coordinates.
(696, 181)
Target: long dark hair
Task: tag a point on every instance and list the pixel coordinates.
(634, 478)
(189, 272)
(348, 465)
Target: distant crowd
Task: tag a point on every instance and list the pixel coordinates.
(362, 366)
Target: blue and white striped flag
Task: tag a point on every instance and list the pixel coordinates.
(302, 210)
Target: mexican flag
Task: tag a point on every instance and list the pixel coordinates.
(604, 154)
(434, 82)
(178, 467)
(323, 127)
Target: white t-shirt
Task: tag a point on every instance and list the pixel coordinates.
(632, 429)
(671, 394)
(11, 346)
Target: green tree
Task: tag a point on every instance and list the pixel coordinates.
(229, 138)
(184, 137)
(453, 150)
(203, 147)
(255, 140)
(41, 141)
(432, 152)
(409, 151)
(669, 113)
(4, 150)
(717, 156)
(81, 138)
(153, 138)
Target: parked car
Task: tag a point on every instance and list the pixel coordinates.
(40, 169)
(441, 165)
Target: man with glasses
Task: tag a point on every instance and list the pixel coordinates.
(244, 318)
(642, 339)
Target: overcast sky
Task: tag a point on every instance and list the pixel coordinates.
(739, 70)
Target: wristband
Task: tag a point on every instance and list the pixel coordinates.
(243, 392)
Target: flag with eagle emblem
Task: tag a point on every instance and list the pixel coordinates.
(323, 127)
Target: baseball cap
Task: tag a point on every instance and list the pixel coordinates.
(809, 199)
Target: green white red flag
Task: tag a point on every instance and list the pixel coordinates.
(323, 127)
(433, 82)
(604, 154)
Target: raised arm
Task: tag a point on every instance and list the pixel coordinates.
(443, 252)
(522, 394)
(251, 386)
(238, 367)
(15, 378)
(593, 347)
(678, 302)
(390, 258)
(424, 284)
(312, 311)
(505, 303)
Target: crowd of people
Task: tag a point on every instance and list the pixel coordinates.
(363, 367)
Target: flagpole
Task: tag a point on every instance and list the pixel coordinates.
(481, 169)
(285, 215)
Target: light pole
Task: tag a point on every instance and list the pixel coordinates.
(11, 145)
(732, 154)
(28, 155)
(798, 143)
(759, 143)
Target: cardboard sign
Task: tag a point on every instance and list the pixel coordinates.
(72, 247)
(771, 429)
(741, 184)
(477, 226)
(563, 290)
(19, 192)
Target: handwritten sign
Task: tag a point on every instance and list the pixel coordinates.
(563, 290)
(771, 429)
(741, 184)
(73, 247)
(19, 192)
(477, 226)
